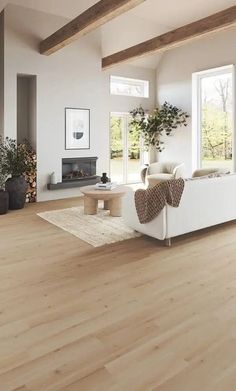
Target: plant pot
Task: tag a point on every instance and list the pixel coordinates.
(17, 188)
(4, 202)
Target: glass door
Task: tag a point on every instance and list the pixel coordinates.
(134, 154)
(125, 150)
(117, 131)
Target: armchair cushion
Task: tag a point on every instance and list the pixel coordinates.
(154, 179)
(156, 168)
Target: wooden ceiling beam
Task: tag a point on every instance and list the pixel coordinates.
(94, 17)
(174, 38)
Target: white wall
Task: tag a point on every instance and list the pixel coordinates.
(22, 108)
(174, 83)
(26, 109)
(33, 111)
(71, 77)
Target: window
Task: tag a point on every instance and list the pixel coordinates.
(213, 118)
(129, 87)
(126, 152)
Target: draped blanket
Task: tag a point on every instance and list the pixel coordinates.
(149, 203)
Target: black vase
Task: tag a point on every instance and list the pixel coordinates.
(4, 202)
(17, 188)
(104, 178)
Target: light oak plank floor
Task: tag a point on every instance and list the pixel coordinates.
(128, 316)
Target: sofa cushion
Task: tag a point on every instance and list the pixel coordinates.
(209, 171)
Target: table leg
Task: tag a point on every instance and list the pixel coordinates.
(115, 207)
(90, 206)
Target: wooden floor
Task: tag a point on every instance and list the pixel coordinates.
(129, 316)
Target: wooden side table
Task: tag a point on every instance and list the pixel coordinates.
(112, 199)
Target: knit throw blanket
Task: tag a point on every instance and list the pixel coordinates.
(149, 203)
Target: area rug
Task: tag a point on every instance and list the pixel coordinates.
(96, 230)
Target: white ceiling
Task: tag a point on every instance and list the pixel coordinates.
(173, 13)
(147, 20)
(168, 13)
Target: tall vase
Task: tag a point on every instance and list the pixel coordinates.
(17, 188)
(152, 154)
(4, 202)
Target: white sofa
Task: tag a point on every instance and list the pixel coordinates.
(205, 202)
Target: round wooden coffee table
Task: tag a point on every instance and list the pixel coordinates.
(112, 199)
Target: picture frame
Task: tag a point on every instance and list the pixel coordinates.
(77, 128)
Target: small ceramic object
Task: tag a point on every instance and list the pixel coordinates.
(53, 179)
(104, 178)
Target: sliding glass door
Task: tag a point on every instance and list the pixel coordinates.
(215, 112)
(126, 152)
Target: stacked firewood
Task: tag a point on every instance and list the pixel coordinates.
(31, 194)
(31, 178)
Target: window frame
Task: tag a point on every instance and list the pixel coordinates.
(144, 83)
(126, 117)
(197, 112)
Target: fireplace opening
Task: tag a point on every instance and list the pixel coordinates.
(78, 169)
(77, 172)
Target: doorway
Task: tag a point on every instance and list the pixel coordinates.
(126, 152)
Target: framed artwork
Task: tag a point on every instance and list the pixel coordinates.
(77, 126)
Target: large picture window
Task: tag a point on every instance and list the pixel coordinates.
(214, 117)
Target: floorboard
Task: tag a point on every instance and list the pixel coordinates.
(130, 316)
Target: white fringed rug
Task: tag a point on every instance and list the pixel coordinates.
(96, 230)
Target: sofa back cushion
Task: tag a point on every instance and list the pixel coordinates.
(208, 171)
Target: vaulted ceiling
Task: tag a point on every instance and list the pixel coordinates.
(147, 20)
(169, 13)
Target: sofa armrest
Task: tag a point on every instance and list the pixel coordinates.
(155, 228)
(204, 203)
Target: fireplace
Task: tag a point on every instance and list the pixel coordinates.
(77, 172)
(78, 169)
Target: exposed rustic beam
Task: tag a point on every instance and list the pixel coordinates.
(174, 38)
(93, 17)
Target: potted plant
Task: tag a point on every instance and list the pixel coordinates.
(4, 196)
(15, 164)
(152, 125)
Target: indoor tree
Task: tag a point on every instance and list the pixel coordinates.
(153, 125)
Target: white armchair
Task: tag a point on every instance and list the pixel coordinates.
(159, 172)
